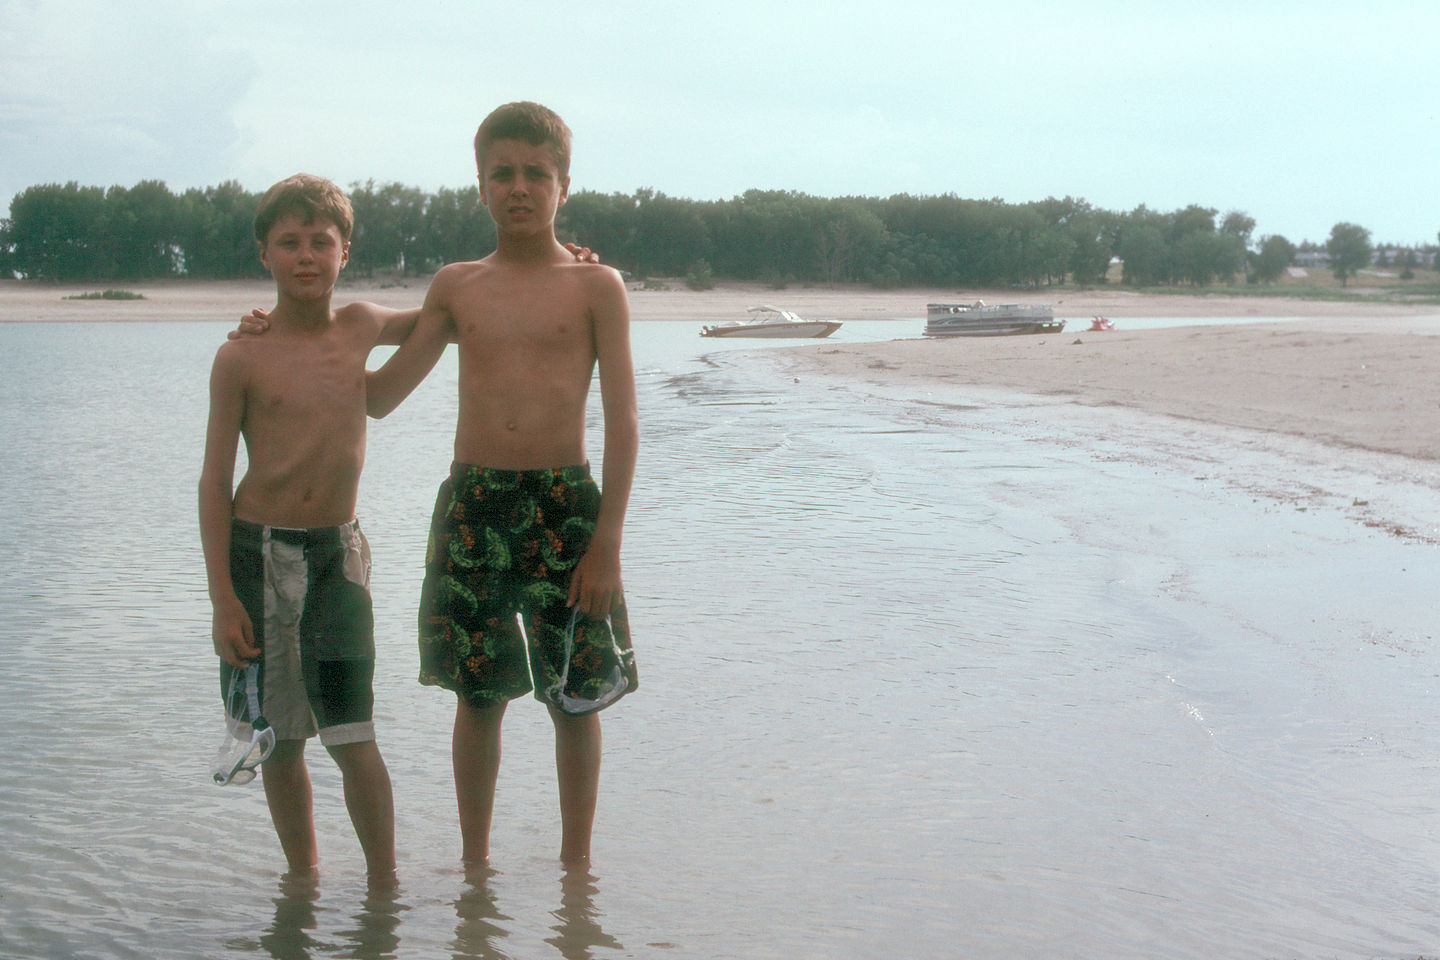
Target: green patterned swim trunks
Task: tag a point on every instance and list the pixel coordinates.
(504, 542)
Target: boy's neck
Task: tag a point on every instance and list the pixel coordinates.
(301, 314)
(527, 248)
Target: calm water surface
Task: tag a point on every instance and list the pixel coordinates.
(963, 674)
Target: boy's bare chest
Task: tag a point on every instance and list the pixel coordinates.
(536, 323)
(319, 381)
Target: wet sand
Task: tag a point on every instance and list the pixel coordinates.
(1355, 383)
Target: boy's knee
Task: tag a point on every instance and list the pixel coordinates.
(486, 715)
(287, 753)
(570, 727)
(355, 756)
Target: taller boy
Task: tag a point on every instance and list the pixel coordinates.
(520, 524)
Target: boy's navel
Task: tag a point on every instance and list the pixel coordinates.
(510, 425)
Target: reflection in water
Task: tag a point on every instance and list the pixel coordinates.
(482, 927)
(477, 935)
(289, 935)
(375, 934)
(578, 930)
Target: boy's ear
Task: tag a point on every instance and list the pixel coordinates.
(484, 202)
(564, 191)
(263, 259)
(344, 254)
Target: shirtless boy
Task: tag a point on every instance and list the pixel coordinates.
(520, 524)
(287, 565)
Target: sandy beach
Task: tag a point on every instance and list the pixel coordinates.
(1353, 375)
(1368, 384)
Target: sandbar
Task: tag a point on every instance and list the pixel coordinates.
(1368, 383)
(1347, 374)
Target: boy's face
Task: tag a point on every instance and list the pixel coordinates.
(521, 186)
(304, 258)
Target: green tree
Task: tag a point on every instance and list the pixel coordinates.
(1349, 250)
(848, 240)
(603, 222)
(456, 226)
(388, 222)
(1143, 245)
(217, 232)
(57, 232)
(7, 251)
(669, 235)
(141, 233)
(1193, 219)
(1275, 254)
(765, 235)
(1408, 264)
(699, 276)
(1238, 224)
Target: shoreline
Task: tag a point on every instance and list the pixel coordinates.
(1344, 374)
(26, 301)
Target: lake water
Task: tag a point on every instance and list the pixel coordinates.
(968, 674)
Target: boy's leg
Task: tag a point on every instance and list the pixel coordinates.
(475, 750)
(371, 804)
(288, 794)
(577, 768)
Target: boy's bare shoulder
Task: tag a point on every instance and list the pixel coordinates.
(597, 276)
(456, 276)
(234, 355)
(460, 270)
(604, 289)
(362, 314)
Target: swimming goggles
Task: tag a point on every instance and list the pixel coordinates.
(246, 745)
(598, 695)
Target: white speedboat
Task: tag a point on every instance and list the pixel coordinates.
(771, 322)
(978, 320)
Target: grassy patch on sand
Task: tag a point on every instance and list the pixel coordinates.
(107, 295)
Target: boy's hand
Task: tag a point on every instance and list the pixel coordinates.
(595, 585)
(234, 636)
(583, 254)
(252, 325)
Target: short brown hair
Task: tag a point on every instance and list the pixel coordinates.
(310, 197)
(531, 122)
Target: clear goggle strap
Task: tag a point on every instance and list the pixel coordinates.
(252, 693)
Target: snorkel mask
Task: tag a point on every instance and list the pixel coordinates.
(247, 744)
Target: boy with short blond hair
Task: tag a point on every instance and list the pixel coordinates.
(520, 525)
(287, 566)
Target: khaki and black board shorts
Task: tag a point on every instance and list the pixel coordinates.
(307, 593)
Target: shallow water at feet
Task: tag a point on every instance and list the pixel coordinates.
(956, 675)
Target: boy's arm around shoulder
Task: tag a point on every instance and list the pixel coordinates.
(391, 326)
(388, 324)
(422, 341)
(231, 631)
(596, 587)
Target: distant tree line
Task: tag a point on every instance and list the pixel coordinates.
(71, 233)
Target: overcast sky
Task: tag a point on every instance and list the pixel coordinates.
(1299, 114)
